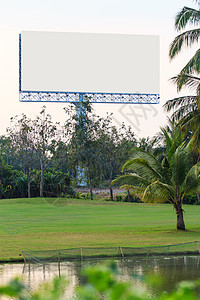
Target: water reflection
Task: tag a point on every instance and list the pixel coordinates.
(171, 269)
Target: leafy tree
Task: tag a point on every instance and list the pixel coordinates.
(13, 183)
(81, 132)
(21, 135)
(166, 180)
(56, 183)
(8, 152)
(33, 139)
(61, 159)
(3, 171)
(95, 146)
(45, 137)
(117, 145)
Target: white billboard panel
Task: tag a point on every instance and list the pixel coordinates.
(89, 63)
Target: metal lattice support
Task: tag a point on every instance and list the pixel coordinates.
(93, 97)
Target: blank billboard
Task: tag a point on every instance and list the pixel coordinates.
(89, 63)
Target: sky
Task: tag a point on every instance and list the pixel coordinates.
(155, 17)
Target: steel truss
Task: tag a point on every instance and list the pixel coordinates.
(93, 97)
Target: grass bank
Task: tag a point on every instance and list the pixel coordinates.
(41, 224)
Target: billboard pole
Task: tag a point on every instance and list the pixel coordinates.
(80, 110)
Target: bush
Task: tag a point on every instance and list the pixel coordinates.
(107, 199)
(118, 198)
(126, 198)
(56, 184)
(85, 195)
(191, 200)
(132, 198)
(77, 195)
(14, 183)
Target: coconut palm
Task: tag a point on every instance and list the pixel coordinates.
(187, 118)
(189, 74)
(187, 109)
(167, 180)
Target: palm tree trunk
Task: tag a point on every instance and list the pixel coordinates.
(180, 220)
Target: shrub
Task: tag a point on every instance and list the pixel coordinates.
(191, 200)
(127, 198)
(131, 198)
(85, 195)
(56, 184)
(118, 198)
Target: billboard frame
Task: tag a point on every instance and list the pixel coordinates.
(75, 97)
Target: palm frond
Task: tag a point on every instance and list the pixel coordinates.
(140, 153)
(158, 192)
(190, 122)
(172, 141)
(193, 66)
(168, 140)
(187, 38)
(142, 167)
(144, 163)
(187, 16)
(192, 180)
(180, 101)
(182, 79)
(131, 179)
(180, 164)
(134, 190)
(198, 97)
(196, 140)
(179, 115)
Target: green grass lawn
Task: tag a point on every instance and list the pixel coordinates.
(41, 224)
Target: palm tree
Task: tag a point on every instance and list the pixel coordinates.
(187, 118)
(169, 179)
(189, 74)
(187, 109)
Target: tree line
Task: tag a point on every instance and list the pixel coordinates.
(41, 158)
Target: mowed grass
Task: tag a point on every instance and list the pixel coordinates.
(45, 224)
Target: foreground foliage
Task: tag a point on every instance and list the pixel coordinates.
(100, 283)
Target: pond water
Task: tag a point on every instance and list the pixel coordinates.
(172, 269)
